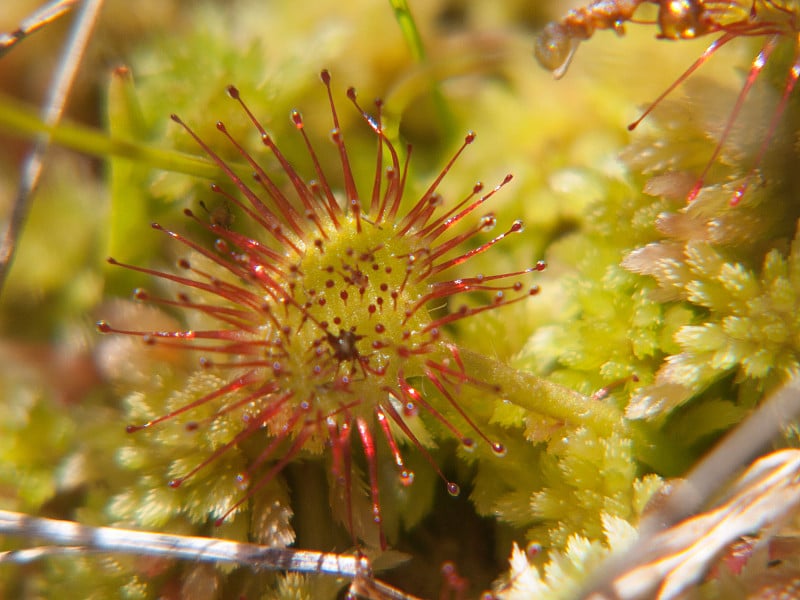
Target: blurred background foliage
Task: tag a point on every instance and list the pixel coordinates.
(683, 317)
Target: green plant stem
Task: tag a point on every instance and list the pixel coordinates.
(538, 395)
(409, 28)
(544, 397)
(20, 119)
(410, 32)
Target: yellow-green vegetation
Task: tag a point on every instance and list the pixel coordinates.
(658, 326)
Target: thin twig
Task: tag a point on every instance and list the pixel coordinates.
(41, 17)
(130, 541)
(710, 475)
(68, 537)
(29, 555)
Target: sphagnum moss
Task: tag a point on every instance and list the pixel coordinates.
(708, 333)
(323, 329)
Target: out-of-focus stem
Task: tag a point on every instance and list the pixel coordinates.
(409, 28)
(19, 119)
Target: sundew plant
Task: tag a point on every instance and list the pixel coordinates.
(363, 278)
